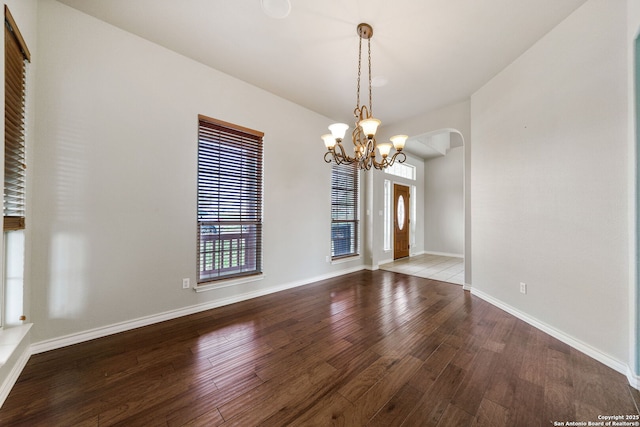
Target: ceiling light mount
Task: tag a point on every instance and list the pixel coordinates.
(365, 31)
(364, 134)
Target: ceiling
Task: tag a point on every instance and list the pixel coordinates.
(432, 53)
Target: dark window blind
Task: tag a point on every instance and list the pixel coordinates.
(16, 53)
(344, 210)
(229, 200)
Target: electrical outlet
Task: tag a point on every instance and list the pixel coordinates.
(523, 288)
(185, 283)
(328, 258)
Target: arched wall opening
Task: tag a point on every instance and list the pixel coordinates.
(440, 197)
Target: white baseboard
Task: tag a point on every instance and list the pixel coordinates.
(444, 254)
(389, 260)
(634, 380)
(556, 333)
(115, 328)
(385, 261)
(466, 287)
(16, 370)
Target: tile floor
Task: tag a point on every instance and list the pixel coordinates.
(437, 267)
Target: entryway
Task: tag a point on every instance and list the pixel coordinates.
(429, 266)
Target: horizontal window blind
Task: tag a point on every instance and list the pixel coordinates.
(229, 200)
(16, 53)
(344, 210)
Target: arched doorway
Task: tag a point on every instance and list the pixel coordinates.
(440, 208)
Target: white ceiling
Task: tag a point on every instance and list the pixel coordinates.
(432, 52)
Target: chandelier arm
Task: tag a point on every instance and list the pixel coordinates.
(363, 113)
(366, 165)
(333, 153)
(376, 164)
(396, 157)
(362, 144)
(356, 137)
(342, 155)
(371, 146)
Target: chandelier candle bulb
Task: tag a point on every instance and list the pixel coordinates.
(338, 130)
(384, 149)
(369, 126)
(329, 141)
(399, 141)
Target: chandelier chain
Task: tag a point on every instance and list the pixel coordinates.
(370, 97)
(359, 70)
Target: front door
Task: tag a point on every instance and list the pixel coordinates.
(400, 221)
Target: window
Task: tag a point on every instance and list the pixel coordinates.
(414, 215)
(15, 55)
(387, 215)
(403, 170)
(229, 200)
(344, 211)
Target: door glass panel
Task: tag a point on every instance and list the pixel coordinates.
(400, 212)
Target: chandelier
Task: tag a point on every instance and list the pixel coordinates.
(364, 134)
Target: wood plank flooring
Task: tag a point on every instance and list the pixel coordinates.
(369, 348)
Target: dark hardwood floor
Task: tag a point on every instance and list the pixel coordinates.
(369, 348)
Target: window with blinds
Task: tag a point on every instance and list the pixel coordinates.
(229, 200)
(15, 56)
(344, 211)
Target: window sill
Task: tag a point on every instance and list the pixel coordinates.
(10, 340)
(345, 259)
(226, 283)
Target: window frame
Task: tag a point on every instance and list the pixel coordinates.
(229, 201)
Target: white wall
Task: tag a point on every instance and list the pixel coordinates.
(115, 177)
(549, 182)
(455, 116)
(444, 203)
